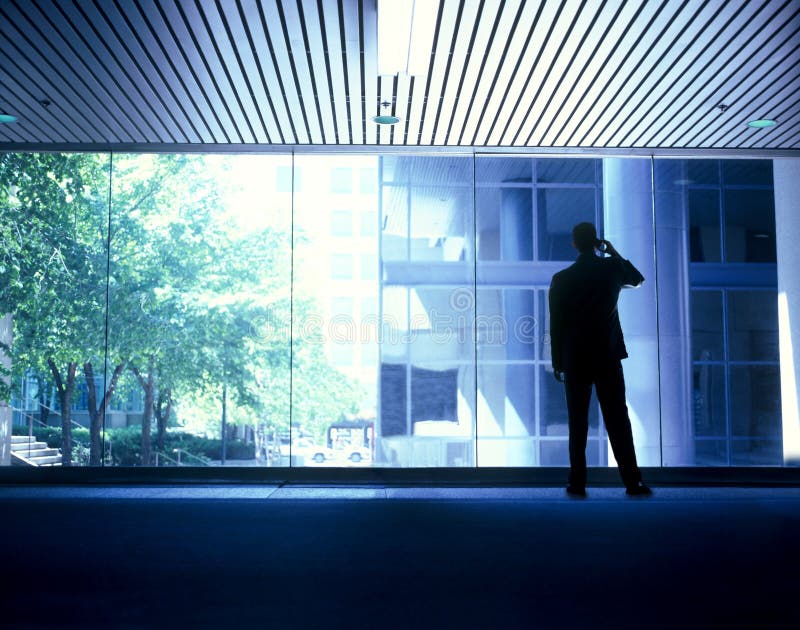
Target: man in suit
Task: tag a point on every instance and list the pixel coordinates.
(587, 349)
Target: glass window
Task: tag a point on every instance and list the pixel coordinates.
(711, 453)
(747, 172)
(369, 223)
(342, 306)
(494, 171)
(507, 401)
(750, 226)
(369, 267)
(506, 324)
(709, 401)
(284, 179)
(753, 326)
(341, 180)
(704, 230)
(441, 223)
(566, 171)
(342, 354)
(707, 332)
(558, 210)
(755, 401)
(702, 172)
(341, 266)
(368, 181)
(341, 223)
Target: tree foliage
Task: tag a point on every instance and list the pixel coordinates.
(161, 294)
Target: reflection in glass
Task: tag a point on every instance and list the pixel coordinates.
(335, 383)
(750, 226)
(558, 210)
(755, 401)
(709, 400)
(752, 326)
(427, 376)
(704, 229)
(707, 332)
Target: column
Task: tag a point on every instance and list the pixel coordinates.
(628, 219)
(787, 225)
(674, 315)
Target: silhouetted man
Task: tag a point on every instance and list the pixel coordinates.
(587, 349)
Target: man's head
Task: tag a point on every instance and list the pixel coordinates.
(584, 237)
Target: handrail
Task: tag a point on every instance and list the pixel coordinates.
(180, 451)
(80, 443)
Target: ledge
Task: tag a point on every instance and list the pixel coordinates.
(528, 477)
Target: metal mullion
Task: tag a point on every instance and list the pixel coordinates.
(726, 378)
(534, 211)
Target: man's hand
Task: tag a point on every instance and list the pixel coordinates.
(559, 375)
(607, 248)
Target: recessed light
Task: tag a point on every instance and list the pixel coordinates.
(7, 118)
(760, 235)
(762, 123)
(386, 120)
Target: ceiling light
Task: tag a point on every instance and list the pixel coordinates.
(762, 123)
(7, 118)
(405, 36)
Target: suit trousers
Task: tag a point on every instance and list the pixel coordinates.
(609, 383)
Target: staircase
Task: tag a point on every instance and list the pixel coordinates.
(26, 451)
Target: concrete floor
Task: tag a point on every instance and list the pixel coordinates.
(304, 556)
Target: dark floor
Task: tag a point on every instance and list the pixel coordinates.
(375, 557)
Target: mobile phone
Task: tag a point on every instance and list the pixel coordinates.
(601, 245)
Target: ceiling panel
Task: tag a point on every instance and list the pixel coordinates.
(527, 74)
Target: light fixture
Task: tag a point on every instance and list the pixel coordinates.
(762, 123)
(386, 119)
(405, 36)
(7, 118)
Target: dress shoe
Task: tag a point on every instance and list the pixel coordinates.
(577, 492)
(639, 490)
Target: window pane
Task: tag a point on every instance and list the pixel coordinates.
(341, 180)
(441, 223)
(757, 453)
(709, 400)
(368, 181)
(504, 171)
(54, 236)
(703, 172)
(747, 172)
(558, 210)
(752, 326)
(750, 226)
(505, 224)
(341, 266)
(755, 401)
(707, 331)
(369, 267)
(507, 404)
(339, 414)
(506, 324)
(369, 223)
(394, 223)
(704, 230)
(711, 453)
(441, 324)
(341, 223)
(196, 238)
(566, 171)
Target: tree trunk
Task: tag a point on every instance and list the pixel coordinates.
(163, 410)
(97, 414)
(148, 386)
(44, 402)
(65, 398)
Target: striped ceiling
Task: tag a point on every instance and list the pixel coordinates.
(589, 74)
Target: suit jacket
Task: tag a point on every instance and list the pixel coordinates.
(584, 322)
